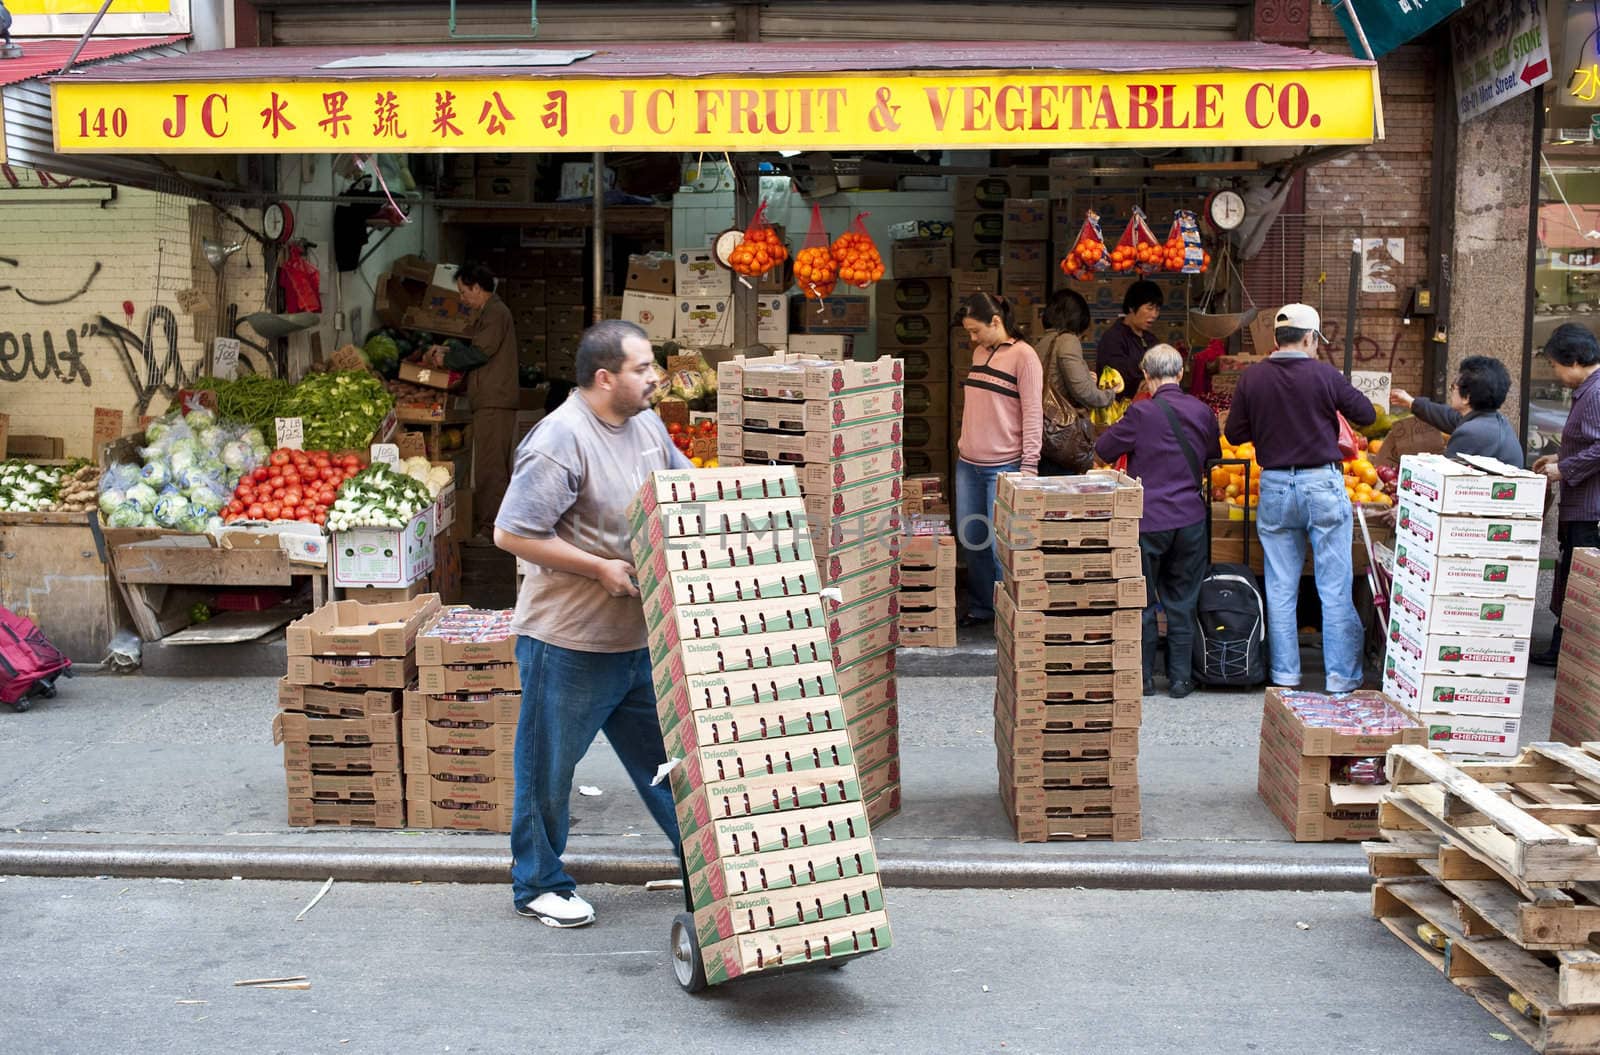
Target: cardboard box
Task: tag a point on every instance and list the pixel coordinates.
(670, 624)
(1039, 685)
(714, 763)
(980, 259)
(1474, 486)
(344, 787)
(915, 296)
(734, 847)
(496, 707)
(308, 813)
(485, 677)
(747, 519)
(835, 314)
(655, 313)
(921, 258)
(793, 379)
(923, 460)
(1027, 565)
(566, 292)
(455, 792)
(772, 321)
(657, 569)
(1027, 219)
(987, 192)
(444, 380)
(1467, 576)
(833, 347)
(341, 758)
(929, 551)
(1124, 624)
(1503, 697)
(1026, 264)
(368, 594)
(504, 187)
(352, 673)
(475, 817)
(335, 703)
(1469, 734)
(1312, 740)
(866, 643)
(815, 415)
(1091, 658)
(762, 794)
(772, 722)
(764, 910)
(652, 273)
(1470, 655)
(699, 276)
(928, 366)
(1027, 748)
(294, 727)
(436, 651)
(1506, 538)
(926, 399)
(704, 323)
(1063, 497)
(924, 330)
(1032, 828)
(1036, 533)
(1014, 718)
(863, 547)
(384, 557)
(1499, 617)
(350, 628)
(465, 762)
(1087, 598)
(766, 653)
(457, 736)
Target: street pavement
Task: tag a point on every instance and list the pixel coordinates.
(95, 967)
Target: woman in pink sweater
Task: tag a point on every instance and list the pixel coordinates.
(1002, 428)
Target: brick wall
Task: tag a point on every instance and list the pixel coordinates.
(67, 270)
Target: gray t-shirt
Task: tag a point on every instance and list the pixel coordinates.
(574, 478)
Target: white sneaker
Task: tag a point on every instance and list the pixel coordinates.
(559, 909)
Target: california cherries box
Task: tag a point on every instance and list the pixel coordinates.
(1502, 697)
(1471, 486)
(1449, 614)
(1470, 576)
(1512, 538)
(1473, 655)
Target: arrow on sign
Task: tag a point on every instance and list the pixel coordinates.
(1534, 70)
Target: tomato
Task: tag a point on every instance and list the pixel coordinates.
(320, 460)
(351, 461)
(256, 511)
(280, 457)
(306, 518)
(245, 494)
(288, 512)
(273, 509)
(320, 518)
(259, 474)
(290, 476)
(292, 496)
(328, 472)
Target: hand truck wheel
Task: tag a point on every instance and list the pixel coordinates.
(687, 965)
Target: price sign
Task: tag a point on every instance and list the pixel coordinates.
(107, 427)
(1374, 384)
(291, 433)
(387, 453)
(225, 358)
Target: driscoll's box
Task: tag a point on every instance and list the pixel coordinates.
(1502, 537)
(759, 910)
(1472, 655)
(1449, 692)
(1472, 486)
(767, 793)
(1434, 614)
(752, 841)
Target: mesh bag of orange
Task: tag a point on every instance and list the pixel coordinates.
(1183, 251)
(1138, 249)
(762, 249)
(815, 271)
(1088, 254)
(857, 256)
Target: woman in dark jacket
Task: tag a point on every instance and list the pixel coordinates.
(1068, 381)
(1124, 344)
(1472, 419)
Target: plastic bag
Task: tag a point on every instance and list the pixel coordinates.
(856, 255)
(815, 271)
(1088, 253)
(1137, 249)
(762, 249)
(301, 283)
(1182, 251)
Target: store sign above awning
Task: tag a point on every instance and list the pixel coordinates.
(1309, 99)
(1387, 24)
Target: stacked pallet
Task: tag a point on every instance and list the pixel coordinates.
(1067, 702)
(1490, 871)
(460, 722)
(928, 585)
(339, 711)
(839, 424)
(1466, 570)
(1577, 712)
(772, 785)
(1322, 762)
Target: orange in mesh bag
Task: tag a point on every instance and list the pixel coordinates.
(857, 256)
(1138, 248)
(1088, 253)
(762, 249)
(1183, 251)
(815, 271)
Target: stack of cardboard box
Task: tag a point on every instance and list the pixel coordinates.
(1322, 760)
(1466, 571)
(1068, 703)
(928, 588)
(687, 296)
(773, 781)
(1577, 711)
(914, 324)
(460, 722)
(1027, 262)
(339, 711)
(544, 288)
(839, 425)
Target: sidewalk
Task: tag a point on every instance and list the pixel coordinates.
(176, 776)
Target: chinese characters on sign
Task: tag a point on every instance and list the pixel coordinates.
(1501, 52)
(1325, 105)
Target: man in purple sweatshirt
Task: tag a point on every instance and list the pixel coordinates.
(1289, 407)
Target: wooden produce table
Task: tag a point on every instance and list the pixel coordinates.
(1228, 540)
(51, 572)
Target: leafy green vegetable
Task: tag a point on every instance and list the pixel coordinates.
(341, 411)
(378, 497)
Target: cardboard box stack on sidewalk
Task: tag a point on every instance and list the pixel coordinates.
(1577, 712)
(775, 786)
(839, 424)
(339, 711)
(1067, 619)
(1466, 571)
(460, 722)
(1322, 760)
(928, 584)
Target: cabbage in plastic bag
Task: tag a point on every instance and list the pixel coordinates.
(171, 509)
(155, 474)
(142, 497)
(125, 516)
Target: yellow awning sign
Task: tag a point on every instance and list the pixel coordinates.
(809, 112)
(88, 7)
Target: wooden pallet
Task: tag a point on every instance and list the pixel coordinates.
(1532, 819)
(1564, 994)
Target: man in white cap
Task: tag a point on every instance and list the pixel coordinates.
(1289, 408)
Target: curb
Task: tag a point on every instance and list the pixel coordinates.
(404, 865)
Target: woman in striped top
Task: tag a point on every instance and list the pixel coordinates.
(1002, 429)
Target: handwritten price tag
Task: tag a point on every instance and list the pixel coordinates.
(291, 433)
(387, 453)
(107, 427)
(225, 358)
(1374, 384)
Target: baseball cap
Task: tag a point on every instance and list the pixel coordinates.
(1300, 317)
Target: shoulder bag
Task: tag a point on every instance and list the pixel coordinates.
(1068, 435)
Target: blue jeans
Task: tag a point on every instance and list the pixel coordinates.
(568, 698)
(1297, 506)
(975, 534)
